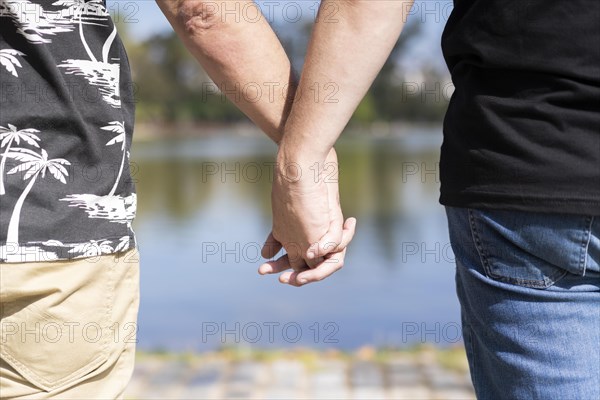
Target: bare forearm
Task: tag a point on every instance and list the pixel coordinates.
(241, 54)
(348, 53)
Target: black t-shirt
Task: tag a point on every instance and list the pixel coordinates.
(66, 123)
(522, 131)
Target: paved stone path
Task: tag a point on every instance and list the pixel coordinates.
(398, 376)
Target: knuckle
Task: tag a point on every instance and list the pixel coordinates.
(330, 246)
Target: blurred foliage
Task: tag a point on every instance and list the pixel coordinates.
(172, 87)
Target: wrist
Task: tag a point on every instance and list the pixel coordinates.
(301, 150)
(300, 165)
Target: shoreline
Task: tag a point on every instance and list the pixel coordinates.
(155, 132)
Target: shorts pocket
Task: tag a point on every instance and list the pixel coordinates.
(528, 249)
(56, 333)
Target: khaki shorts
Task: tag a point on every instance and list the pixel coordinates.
(68, 328)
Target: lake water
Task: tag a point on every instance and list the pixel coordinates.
(204, 211)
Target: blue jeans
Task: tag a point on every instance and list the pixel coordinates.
(529, 288)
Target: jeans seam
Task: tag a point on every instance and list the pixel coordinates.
(585, 244)
(477, 241)
(470, 348)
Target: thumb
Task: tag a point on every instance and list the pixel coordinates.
(271, 247)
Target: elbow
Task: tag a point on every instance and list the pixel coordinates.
(197, 17)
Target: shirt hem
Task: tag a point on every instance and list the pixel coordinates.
(53, 250)
(503, 201)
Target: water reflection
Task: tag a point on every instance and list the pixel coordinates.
(204, 209)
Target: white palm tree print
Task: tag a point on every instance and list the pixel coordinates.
(8, 58)
(32, 166)
(22, 158)
(80, 8)
(123, 244)
(32, 21)
(11, 135)
(118, 128)
(101, 72)
(93, 248)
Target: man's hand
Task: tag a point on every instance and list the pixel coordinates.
(307, 219)
(236, 51)
(347, 54)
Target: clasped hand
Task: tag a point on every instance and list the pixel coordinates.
(307, 220)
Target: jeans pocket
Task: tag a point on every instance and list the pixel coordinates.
(55, 337)
(528, 249)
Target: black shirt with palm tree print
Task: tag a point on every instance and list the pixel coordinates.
(66, 123)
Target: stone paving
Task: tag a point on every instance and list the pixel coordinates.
(400, 375)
